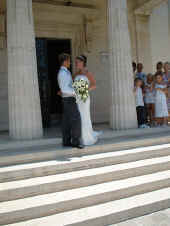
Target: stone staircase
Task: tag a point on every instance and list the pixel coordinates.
(98, 186)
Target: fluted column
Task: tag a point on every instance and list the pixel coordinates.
(24, 103)
(122, 109)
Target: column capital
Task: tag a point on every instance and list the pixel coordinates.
(147, 7)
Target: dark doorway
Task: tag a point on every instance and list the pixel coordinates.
(48, 51)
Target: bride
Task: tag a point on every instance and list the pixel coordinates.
(89, 136)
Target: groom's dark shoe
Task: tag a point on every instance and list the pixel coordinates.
(79, 146)
(67, 145)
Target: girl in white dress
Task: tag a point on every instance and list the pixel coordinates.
(150, 98)
(166, 79)
(161, 107)
(89, 136)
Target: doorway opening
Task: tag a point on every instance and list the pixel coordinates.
(48, 51)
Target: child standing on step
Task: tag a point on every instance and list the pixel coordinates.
(140, 109)
(150, 98)
(161, 107)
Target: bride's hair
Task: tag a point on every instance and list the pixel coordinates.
(82, 58)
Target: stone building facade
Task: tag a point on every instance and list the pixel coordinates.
(111, 33)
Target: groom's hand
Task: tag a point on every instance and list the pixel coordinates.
(59, 93)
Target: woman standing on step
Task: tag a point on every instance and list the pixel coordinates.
(89, 136)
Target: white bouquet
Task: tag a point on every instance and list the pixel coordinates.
(81, 88)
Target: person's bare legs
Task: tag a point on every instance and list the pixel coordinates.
(151, 113)
(159, 121)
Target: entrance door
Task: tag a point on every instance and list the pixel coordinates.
(48, 51)
(42, 66)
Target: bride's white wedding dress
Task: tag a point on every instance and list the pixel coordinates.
(89, 136)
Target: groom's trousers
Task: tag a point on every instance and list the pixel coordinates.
(71, 122)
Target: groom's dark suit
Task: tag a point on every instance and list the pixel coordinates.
(71, 122)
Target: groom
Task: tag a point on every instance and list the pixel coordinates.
(71, 122)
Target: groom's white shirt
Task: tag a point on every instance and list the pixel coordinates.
(65, 82)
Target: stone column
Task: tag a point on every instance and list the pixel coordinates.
(24, 103)
(122, 109)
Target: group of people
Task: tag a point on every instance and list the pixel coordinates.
(152, 94)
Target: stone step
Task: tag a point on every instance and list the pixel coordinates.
(107, 213)
(50, 151)
(45, 205)
(64, 165)
(60, 182)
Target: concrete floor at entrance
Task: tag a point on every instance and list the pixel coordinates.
(53, 136)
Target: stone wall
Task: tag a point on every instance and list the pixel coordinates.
(132, 5)
(3, 91)
(55, 22)
(160, 35)
(149, 32)
(3, 77)
(99, 65)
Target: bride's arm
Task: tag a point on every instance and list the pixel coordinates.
(92, 80)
